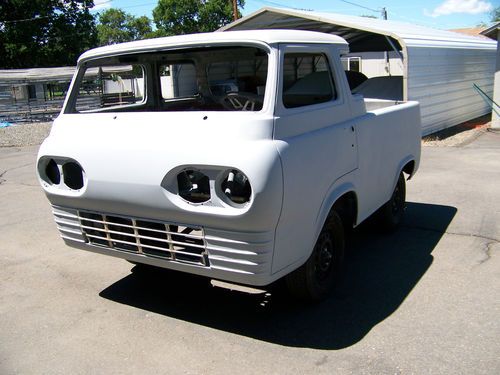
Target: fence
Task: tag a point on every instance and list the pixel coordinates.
(32, 110)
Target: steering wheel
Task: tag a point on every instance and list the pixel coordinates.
(242, 101)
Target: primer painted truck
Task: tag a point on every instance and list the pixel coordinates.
(239, 156)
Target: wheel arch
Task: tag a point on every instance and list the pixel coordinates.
(409, 166)
(344, 200)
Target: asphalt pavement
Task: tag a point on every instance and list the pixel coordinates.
(423, 300)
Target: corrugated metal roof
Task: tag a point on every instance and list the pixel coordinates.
(492, 31)
(405, 33)
(36, 75)
(440, 66)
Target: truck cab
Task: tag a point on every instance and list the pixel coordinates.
(240, 156)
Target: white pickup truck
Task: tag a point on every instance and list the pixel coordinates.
(239, 156)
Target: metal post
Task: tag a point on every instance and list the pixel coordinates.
(386, 54)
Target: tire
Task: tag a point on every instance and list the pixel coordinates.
(316, 278)
(391, 213)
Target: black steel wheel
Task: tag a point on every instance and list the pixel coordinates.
(314, 280)
(391, 213)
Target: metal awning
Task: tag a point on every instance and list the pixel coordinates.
(362, 33)
(492, 31)
(10, 77)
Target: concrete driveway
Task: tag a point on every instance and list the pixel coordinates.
(423, 300)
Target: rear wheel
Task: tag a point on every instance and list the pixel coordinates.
(391, 213)
(314, 280)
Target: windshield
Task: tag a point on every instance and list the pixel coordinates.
(201, 79)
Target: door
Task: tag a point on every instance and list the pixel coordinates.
(316, 138)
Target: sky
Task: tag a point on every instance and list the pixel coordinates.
(440, 14)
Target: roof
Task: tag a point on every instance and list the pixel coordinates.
(259, 36)
(34, 75)
(362, 33)
(473, 31)
(492, 31)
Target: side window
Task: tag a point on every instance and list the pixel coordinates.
(307, 80)
(178, 80)
(110, 86)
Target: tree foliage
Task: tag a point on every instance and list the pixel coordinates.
(495, 15)
(117, 26)
(174, 17)
(40, 33)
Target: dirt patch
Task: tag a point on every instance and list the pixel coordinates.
(458, 135)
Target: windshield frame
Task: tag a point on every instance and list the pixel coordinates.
(152, 93)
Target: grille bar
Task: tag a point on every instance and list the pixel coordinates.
(148, 229)
(149, 246)
(151, 238)
(138, 236)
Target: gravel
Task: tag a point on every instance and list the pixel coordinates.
(24, 134)
(457, 140)
(459, 135)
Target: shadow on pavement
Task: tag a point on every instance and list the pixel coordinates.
(381, 270)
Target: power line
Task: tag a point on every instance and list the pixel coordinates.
(26, 19)
(104, 2)
(276, 4)
(360, 6)
(138, 5)
(42, 17)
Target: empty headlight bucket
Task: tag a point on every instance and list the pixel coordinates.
(193, 186)
(236, 187)
(73, 175)
(51, 173)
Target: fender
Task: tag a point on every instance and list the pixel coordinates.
(337, 189)
(402, 164)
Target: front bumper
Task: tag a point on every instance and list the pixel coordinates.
(239, 257)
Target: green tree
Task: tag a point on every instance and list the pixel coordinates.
(495, 15)
(141, 27)
(41, 33)
(174, 17)
(117, 26)
(215, 14)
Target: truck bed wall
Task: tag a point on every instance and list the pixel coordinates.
(387, 139)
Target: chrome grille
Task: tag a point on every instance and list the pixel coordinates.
(153, 238)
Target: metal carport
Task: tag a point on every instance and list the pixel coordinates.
(440, 67)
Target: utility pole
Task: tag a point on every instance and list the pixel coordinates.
(386, 54)
(235, 10)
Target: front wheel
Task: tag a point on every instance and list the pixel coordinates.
(314, 280)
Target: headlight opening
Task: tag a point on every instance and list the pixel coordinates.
(193, 186)
(236, 187)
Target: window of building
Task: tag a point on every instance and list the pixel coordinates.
(352, 63)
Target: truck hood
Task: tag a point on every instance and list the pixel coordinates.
(126, 157)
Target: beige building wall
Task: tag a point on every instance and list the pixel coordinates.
(373, 64)
(495, 115)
